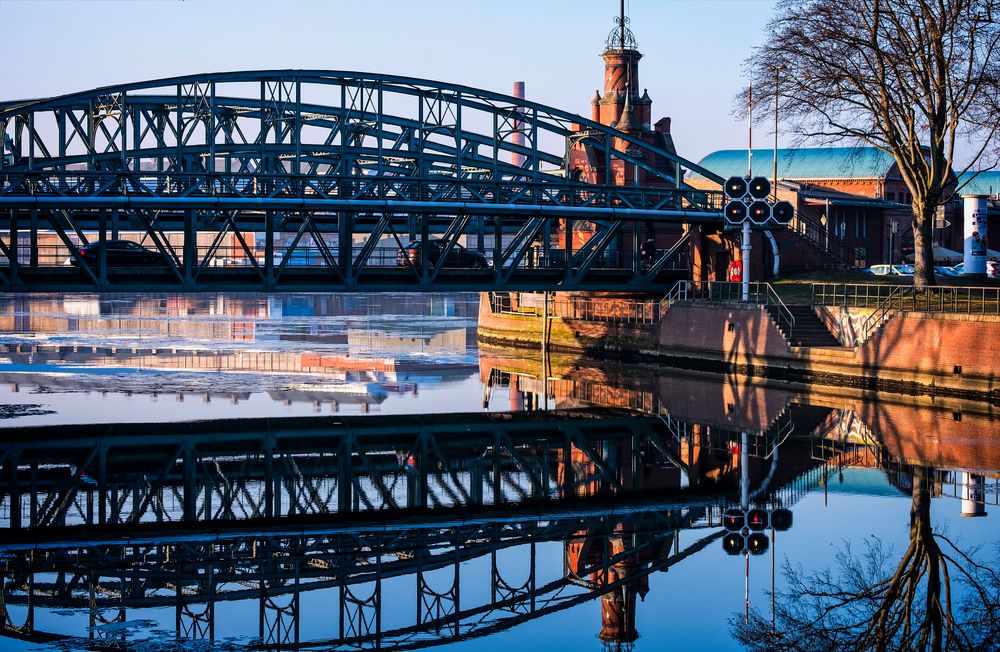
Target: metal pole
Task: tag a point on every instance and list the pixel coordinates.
(750, 131)
(746, 260)
(745, 472)
(775, 186)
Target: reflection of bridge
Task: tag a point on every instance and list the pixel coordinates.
(456, 520)
(290, 180)
(459, 581)
(421, 530)
(131, 475)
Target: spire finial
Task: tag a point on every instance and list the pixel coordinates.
(621, 37)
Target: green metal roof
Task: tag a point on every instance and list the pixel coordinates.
(803, 163)
(985, 183)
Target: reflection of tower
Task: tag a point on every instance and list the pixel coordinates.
(592, 554)
(618, 606)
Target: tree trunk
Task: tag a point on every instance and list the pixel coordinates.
(923, 244)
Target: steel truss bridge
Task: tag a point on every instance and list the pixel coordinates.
(317, 180)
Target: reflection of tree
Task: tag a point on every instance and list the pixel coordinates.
(868, 606)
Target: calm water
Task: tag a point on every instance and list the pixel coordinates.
(361, 476)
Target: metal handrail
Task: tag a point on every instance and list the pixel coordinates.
(783, 312)
(843, 250)
(760, 293)
(934, 298)
(881, 315)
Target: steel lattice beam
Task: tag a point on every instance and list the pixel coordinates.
(276, 154)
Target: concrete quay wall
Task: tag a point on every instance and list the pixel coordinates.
(913, 353)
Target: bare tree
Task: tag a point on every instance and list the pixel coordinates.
(912, 78)
(867, 605)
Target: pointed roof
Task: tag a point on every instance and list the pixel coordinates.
(627, 120)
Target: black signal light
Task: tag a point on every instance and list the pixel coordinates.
(783, 212)
(757, 520)
(760, 188)
(733, 520)
(736, 211)
(736, 187)
(757, 544)
(760, 211)
(781, 519)
(733, 543)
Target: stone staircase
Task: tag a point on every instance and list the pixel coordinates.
(809, 329)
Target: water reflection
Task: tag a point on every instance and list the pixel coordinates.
(598, 506)
(939, 596)
(233, 356)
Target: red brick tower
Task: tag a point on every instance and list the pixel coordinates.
(623, 107)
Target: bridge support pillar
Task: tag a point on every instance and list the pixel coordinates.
(190, 246)
(269, 247)
(698, 255)
(33, 251)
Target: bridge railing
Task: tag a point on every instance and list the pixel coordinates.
(386, 255)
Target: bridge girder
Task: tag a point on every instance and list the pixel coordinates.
(324, 148)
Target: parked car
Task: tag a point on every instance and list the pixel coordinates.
(458, 258)
(891, 270)
(118, 253)
(992, 269)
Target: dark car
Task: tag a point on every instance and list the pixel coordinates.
(119, 253)
(459, 257)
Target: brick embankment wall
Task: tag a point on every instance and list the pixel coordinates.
(565, 335)
(914, 353)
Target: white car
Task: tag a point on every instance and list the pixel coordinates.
(891, 270)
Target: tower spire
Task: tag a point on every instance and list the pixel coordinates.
(621, 37)
(621, 23)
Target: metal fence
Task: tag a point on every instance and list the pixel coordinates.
(640, 311)
(608, 311)
(935, 298)
(732, 292)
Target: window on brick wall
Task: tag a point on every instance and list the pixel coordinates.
(861, 225)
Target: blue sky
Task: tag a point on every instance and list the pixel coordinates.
(692, 65)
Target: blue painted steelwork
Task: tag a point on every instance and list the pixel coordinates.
(262, 169)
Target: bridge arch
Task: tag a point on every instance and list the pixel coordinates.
(330, 157)
(302, 116)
